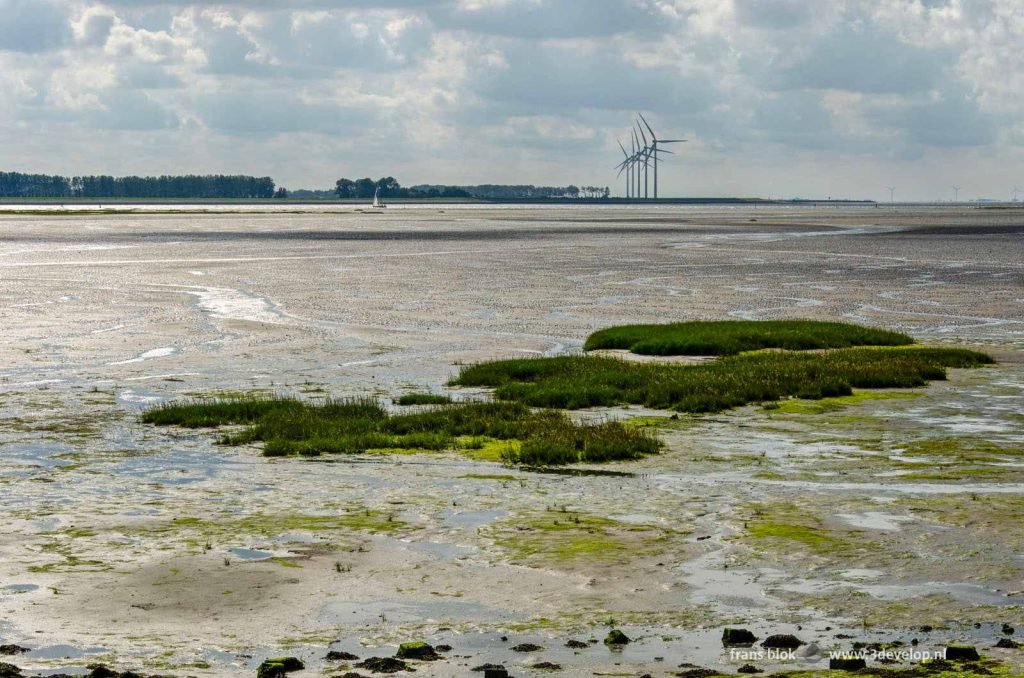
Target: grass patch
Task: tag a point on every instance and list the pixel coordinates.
(826, 405)
(729, 337)
(563, 535)
(422, 399)
(494, 431)
(573, 382)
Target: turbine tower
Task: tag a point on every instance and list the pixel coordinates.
(892, 195)
(1015, 192)
(956, 194)
(637, 154)
(654, 150)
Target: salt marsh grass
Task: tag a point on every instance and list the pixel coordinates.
(572, 382)
(288, 427)
(422, 399)
(729, 337)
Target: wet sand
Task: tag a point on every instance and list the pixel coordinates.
(142, 547)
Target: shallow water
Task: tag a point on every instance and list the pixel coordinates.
(107, 520)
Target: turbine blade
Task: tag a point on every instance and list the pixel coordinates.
(643, 136)
(672, 141)
(623, 149)
(647, 126)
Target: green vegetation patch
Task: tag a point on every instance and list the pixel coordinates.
(729, 337)
(963, 449)
(573, 382)
(782, 526)
(509, 431)
(563, 535)
(826, 405)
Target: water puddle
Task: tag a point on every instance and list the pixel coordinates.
(875, 520)
(251, 554)
(63, 652)
(148, 355)
(473, 518)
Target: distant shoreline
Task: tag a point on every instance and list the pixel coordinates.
(430, 201)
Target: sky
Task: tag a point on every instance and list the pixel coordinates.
(777, 98)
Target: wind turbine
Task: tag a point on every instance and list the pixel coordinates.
(956, 194)
(654, 149)
(627, 167)
(1015, 192)
(637, 155)
(646, 153)
(892, 195)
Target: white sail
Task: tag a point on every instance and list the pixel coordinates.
(376, 198)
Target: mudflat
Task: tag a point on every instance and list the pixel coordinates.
(883, 517)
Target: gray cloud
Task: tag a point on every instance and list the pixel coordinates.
(517, 90)
(33, 25)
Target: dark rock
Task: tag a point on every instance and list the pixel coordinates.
(546, 666)
(616, 637)
(417, 650)
(749, 668)
(965, 653)
(101, 671)
(526, 647)
(443, 648)
(9, 671)
(698, 673)
(18, 649)
(485, 667)
(276, 667)
(576, 644)
(926, 628)
(496, 673)
(383, 665)
(1007, 629)
(352, 674)
(846, 664)
(786, 641)
(740, 637)
(1008, 644)
(338, 656)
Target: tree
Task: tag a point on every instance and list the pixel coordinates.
(345, 188)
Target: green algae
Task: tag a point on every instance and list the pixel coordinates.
(559, 536)
(781, 526)
(826, 405)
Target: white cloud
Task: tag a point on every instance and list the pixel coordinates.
(481, 90)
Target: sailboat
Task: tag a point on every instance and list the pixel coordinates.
(376, 199)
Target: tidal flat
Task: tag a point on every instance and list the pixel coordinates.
(884, 516)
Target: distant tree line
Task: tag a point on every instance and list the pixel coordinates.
(529, 192)
(390, 188)
(19, 185)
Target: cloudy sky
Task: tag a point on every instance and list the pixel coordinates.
(777, 97)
